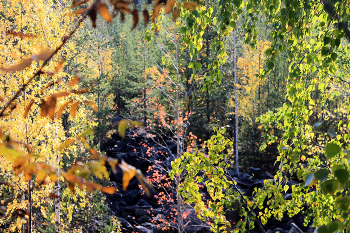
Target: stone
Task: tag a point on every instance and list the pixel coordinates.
(125, 224)
(143, 218)
(142, 229)
(255, 172)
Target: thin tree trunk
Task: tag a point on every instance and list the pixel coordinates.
(236, 100)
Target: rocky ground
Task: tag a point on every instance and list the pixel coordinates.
(139, 213)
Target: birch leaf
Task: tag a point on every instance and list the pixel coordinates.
(21, 66)
(103, 10)
(74, 109)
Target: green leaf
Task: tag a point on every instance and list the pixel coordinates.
(309, 180)
(313, 69)
(270, 65)
(332, 150)
(322, 174)
(331, 133)
(342, 203)
(334, 56)
(332, 226)
(322, 229)
(329, 186)
(342, 175)
(300, 173)
(198, 66)
(348, 156)
(326, 40)
(122, 126)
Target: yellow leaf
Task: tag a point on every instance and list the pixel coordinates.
(94, 153)
(26, 112)
(29, 171)
(128, 173)
(53, 177)
(40, 176)
(134, 123)
(24, 64)
(289, 28)
(122, 126)
(67, 143)
(103, 10)
(60, 111)
(113, 162)
(92, 104)
(87, 132)
(109, 190)
(74, 109)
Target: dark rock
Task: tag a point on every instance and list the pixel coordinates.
(287, 226)
(278, 229)
(287, 196)
(255, 172)
(142, 229)
(130, 219)
(295, 229)
(143, 218)
(125, 224)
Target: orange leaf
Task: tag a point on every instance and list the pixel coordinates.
(94, 153)
(135, 16)
(103, 10)
(190, 5)
(24, 64)
(71, 187)
(169, 6)
(29, 171)
(113, 162)
(128, 173)
(74, 109)
(19, 34)
(53, 177)
(92, 104)
(59, 66)
(60, 94)
(53, 196)
(74, 80)
(81, 91)
(52, 107)
(145, 16)
(42, 56)
(78, 3)
(176, 14)
(43, 108)
(156, 10)
(26, 112)
(60, 111)
(80, 11)
(109, 190)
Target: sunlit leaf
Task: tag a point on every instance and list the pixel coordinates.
(87, 132)
(135, 17)
(128, 173)
(74, 109)
(51, 107)
(190, 5)
(43, 108)
(103, 10)
(92, 104)
(26, 112)
(24, 64)
(43, 55)
(122, 126)
(60, 111)
(113, 163)
(40, 176)
(145, 16)
(66, 143)
(169, 6)
(29, 171)
(53, 177)
(109, 190)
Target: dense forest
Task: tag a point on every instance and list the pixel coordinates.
(174, 116)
